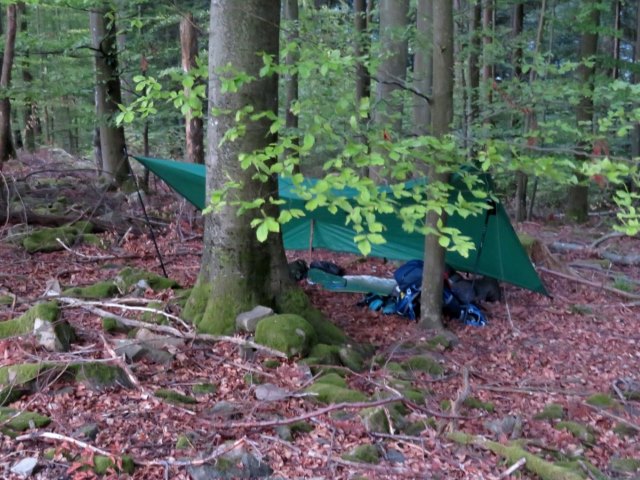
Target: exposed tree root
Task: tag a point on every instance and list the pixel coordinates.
(544, 469)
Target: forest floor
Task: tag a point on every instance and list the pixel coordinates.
(535, 351)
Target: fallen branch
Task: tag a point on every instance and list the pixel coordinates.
(463, 393)
(629, 260)
(189, 335)
(89, 258)
(306, 416)
(360, 465)
(613, 416)
(544, 469)
(604, 238)
(621, 293)
(513, 468)
(63, 438)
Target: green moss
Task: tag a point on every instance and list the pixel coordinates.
(271, 364)
(414, 395)
(128, 464)
(423, 364)
(252, 378)
(22, 420)
(23, 325)
(375, 420)
(93, 239)
(6, 300)
(445, 405)
(324, 354)
(129, 277)
(624, 430)
(174, 397)
(578, 430)
(98, 290)
(364, 454)
(327, 393)
(603, 400)
(351, 359)
(473, 402)
(203, 388)
(102, 464)
(183, 442)
(579, 466)
(44, 239)
(527, 241)
(295, 301)
(151, 317)
(12, 394)
(100, 376)
(625, 465)
(301, 427)
(219, 316)
(334, 379)
(551, 411)
(22, 373)
(288, 333)
(197, 302)
(111, 325)
(439, 342)
(396, 369)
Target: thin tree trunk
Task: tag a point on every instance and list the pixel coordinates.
(108, 96)
(635, 136)
(615, 50)
(578, 198)
(423, 67)
(30, 111)
(474, 63)
(487, 40)
(521, 177)
(361, 50)
(194, 125)
(442, 116)
(292, 22)
(7, 149)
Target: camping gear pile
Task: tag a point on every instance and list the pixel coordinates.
(401, 294)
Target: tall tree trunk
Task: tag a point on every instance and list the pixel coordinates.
(7, 149)
(30, 115)
(487, 40)
(517, 22)
(237, 271)
(423, 67)
(108, 96)
(578, 198)
(635, 136)
(474, 62)
(392, 72)
(442, 116)
(361, 50)
(292, 23)
(194, 126)
(617, 33)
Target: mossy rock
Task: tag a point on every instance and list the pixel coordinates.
(414, 429)
(363, 454)
(423, 363)
(439, 342)
(22, 420)
(473, 402)
(23, 325)
(157, 318)
(204, 388)
(99, 290)
(6, 300)
(174, 397)
(12, 394)
(100, 376)
(552, 411)
(581, 432)
(129, 277)
(24, 373)
(95, 240)
(625, 465)
(295, 301)
(102, 464)
(44, 239)
(375, 420)
(624, 430)
(327, 393)
(334, 379)
(288, 333)
(603, 400)
(580, 465)
(301, 427)
(351, 358)
(323, 354)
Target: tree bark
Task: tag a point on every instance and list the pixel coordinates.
(7, 149)
(194, 134)
(108, 96)
(442, 116)
(392, 72)
(30, 119)
(361, 50)
(578, 198)
(292, 22)
(237, 271)
(517, 22)
(487, 40)
(423, 67)
(474, 63)
(635, 136)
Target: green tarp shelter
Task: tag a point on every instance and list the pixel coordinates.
(501, 257)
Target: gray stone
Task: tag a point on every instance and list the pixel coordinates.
(248, 321)
(25, 467)
(394, 456)
(269, 392)
(55, 338)
(225, 410)
(89, 431)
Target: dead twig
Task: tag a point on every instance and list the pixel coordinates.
(604, 238)
(463, 393)
(89, 258)
(613, 416)
(513, 468)
(621, 293)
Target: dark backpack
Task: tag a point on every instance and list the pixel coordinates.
(409, 275)
(328, 267)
